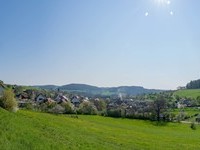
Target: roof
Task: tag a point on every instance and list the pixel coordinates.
(41, 95)
(75, 100)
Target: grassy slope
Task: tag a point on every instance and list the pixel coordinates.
(31, 130)
(193, 93)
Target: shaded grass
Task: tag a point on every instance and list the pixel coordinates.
(35, 131)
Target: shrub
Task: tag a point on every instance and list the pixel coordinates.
(193, 126)
(114, 112)
(47, 107)
(102, 113)
(180, 116)
(28, 106)
(8, 101)
(57, 109)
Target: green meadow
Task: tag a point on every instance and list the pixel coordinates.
(189, 93)
(27, 130)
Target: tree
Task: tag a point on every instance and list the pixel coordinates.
(69, 108)
(8, 101)
(87, 108)
(18, 90)
(159, 106)
(195, 84)
(114, 112)
(100, 104)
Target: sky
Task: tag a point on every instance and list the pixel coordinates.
(149, 43)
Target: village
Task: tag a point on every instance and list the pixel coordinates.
(172, 108)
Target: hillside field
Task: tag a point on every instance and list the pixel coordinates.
(189, 93)
(41, 131)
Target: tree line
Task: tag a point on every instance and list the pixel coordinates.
(195, 84)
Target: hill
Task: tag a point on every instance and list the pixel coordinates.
(39, 131)
(189, 93)
(89, 90)
(47, 87)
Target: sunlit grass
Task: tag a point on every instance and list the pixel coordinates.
(33, 130)
(192, 93)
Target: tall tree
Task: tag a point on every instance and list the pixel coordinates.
(159, 106)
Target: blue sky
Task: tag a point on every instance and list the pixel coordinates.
(100, 42)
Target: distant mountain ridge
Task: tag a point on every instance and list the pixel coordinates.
(47, 87)
(90, 90)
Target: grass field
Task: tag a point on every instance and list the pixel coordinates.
(39, 131)
(193, 93)
(188, 111)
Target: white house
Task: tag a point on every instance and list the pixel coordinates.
(75, 101)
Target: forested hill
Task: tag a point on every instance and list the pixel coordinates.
(101, 91)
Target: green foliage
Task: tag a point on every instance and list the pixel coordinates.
(159, 107)
(87, 108)
(69, 108)
(181, 116)
(7, 101)
(28, 106)
(57, 109)
(198, 100)
(19, 89)
(100, 105)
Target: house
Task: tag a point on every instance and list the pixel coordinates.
(31, 94)
(75, 100)
(22, 96)
(61, 99)
(187, 102)
(181, 88)
(83, 99)
(40, 98)
(50, 101)
(179, 105)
